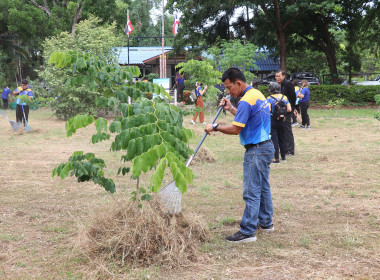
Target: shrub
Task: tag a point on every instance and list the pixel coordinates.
(325, 93)
(186, 98)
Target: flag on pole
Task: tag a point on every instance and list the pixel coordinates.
(175, 25)
(128, 28)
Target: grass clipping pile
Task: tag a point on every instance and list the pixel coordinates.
(144, 237)
(204, 155)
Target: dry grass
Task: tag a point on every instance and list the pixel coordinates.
(130, 238)
(326, 202)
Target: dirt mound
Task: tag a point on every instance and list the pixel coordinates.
(204, 155)
(140, 239)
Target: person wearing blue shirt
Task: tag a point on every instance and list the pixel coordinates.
(277, 130)
(304, 103)
(6, 96)
(22, 107)
(252, 123)
(180, 82)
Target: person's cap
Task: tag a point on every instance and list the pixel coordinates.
(274, 87)
(25, 81)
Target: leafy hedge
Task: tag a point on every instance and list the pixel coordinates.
(325, 93)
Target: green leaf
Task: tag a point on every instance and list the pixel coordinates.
(158, 175)
(137, 166)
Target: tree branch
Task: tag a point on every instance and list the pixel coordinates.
(267, 15)
(44, 8)
(76, 18)
(292, 19)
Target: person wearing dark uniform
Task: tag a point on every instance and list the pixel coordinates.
(277, 126)
(287, 89)
(180, 82)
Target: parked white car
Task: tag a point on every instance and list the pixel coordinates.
(374, 82)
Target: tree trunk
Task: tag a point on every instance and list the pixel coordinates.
(76, 18)
(331, 60)
(281, 37)
(282, 41)
(329, 51)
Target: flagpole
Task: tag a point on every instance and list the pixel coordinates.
(128, 35)
(163, 43)
(129, 98)
(122, 44)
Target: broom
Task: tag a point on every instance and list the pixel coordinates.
(15, 125)
(170, 194)
(27, 126)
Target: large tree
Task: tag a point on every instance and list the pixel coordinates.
(24, 25)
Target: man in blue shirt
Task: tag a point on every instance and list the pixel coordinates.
(22, 106)
(180, 82)
(252, 123)
(6, 94)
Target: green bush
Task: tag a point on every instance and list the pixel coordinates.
(324, 93)
(186, 97)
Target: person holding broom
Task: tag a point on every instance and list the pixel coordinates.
(252, 123)
(22, 107)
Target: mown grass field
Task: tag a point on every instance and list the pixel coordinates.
(326, 202)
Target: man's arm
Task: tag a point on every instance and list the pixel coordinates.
(226, 129)
(291, 94)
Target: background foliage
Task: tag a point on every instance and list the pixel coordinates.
(90, 37)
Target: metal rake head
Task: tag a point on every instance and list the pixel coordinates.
(15, 125)
(27, 128)
(171, 198)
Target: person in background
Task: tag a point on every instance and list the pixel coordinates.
(252, 123)
(22, 107)
(199, 103)
(345, 82)
(6, 96)
(278, 126)
(180, 83)
(296, 105)
(287, 89)
(304, 97)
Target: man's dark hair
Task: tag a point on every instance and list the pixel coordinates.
(25, 81)
(233, 74)
(9, 85)
(282, 72)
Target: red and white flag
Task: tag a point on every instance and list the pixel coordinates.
(128, 28)
(175, 25)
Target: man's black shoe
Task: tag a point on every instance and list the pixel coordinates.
(290, 154)
(241, 237)
(267, 229)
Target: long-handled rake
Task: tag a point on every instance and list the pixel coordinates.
(15, 125)
(170, 194)
(27, 126)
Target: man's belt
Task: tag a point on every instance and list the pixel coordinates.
(256, 145)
